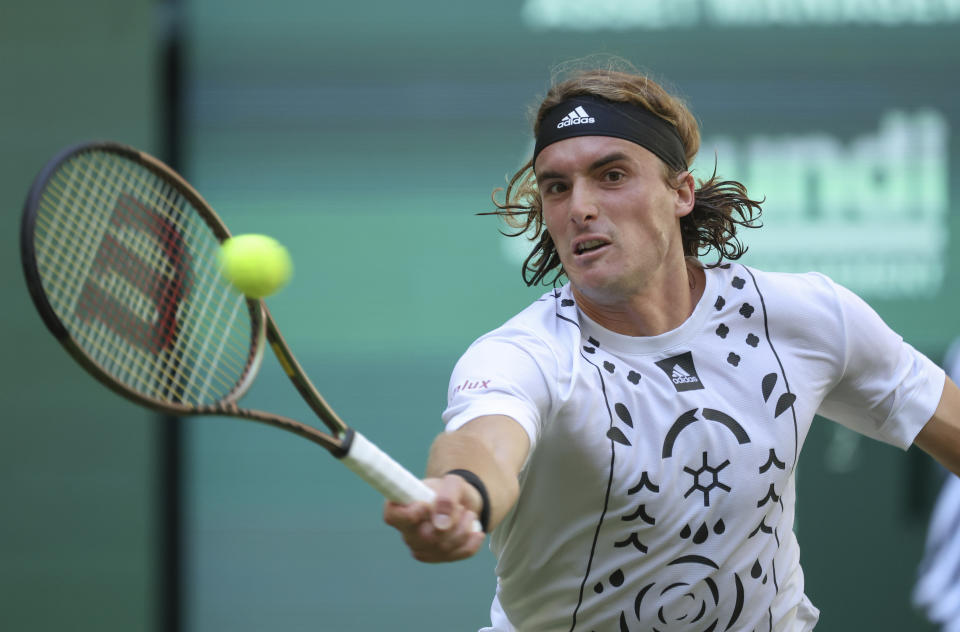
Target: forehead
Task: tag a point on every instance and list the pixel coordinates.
(581, 152)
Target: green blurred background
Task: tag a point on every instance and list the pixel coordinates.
(365, 136)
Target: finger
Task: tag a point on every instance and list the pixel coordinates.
(425, 537)
(451, 551)
(396, 514)
(447, 507)
(444, 541)
(453, 498)
(467, 522)
(469, 547)
(405, 517)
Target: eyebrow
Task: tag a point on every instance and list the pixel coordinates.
(596, 164)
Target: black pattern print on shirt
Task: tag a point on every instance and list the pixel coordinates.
(787, 398)
(677, 603)
(565, 311)
(778, 398)
(620, 419)
(716, 600)
(616, 436)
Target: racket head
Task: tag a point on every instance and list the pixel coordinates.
(120, 258)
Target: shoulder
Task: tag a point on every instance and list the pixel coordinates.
(782, 286)
(807, 308)
(822, 313)
(802, 295)
(542, 330)
(514, 369)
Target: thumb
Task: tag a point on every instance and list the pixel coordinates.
(448, 504)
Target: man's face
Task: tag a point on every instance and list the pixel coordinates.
(612, 216)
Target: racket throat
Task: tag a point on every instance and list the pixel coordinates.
(345, 443)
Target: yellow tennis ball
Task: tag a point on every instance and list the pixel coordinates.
(256, 265)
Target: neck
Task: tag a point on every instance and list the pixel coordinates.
(660, 306)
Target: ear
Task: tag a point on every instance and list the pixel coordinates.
(685, 187)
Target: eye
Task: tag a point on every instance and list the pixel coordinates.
(555, 187)
(613, 176)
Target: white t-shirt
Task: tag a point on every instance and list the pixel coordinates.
(659, 490)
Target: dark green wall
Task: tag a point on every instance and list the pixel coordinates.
(77, 527)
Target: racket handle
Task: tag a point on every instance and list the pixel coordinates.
(385, 475)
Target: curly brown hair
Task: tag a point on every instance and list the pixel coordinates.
(720, 205)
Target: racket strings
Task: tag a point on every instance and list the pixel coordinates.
(135, 294)
(130, 268)
(140, 365)
(149, 248)
(208, 318)
(175, 209)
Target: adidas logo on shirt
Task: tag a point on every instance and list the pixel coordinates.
(577, 116)
(681, 372)
(682, 377)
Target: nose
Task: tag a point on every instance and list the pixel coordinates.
(583, 204)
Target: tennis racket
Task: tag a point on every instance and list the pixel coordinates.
(120, 257)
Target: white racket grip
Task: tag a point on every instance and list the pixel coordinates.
(388, 477)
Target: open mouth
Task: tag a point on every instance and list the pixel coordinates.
(589, 245)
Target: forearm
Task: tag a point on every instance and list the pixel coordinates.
(467, 451)
(493, 448)
(941, 436)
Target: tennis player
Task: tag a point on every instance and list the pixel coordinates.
(630, 439)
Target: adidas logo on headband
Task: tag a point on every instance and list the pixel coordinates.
(577, 116)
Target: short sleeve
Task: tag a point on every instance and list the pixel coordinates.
(504, 373)
(886, 389)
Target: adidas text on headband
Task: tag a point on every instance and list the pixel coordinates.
(587, 115)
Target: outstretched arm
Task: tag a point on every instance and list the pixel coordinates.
(940, 437)
(494, 448)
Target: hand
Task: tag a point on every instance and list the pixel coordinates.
(443, 531)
